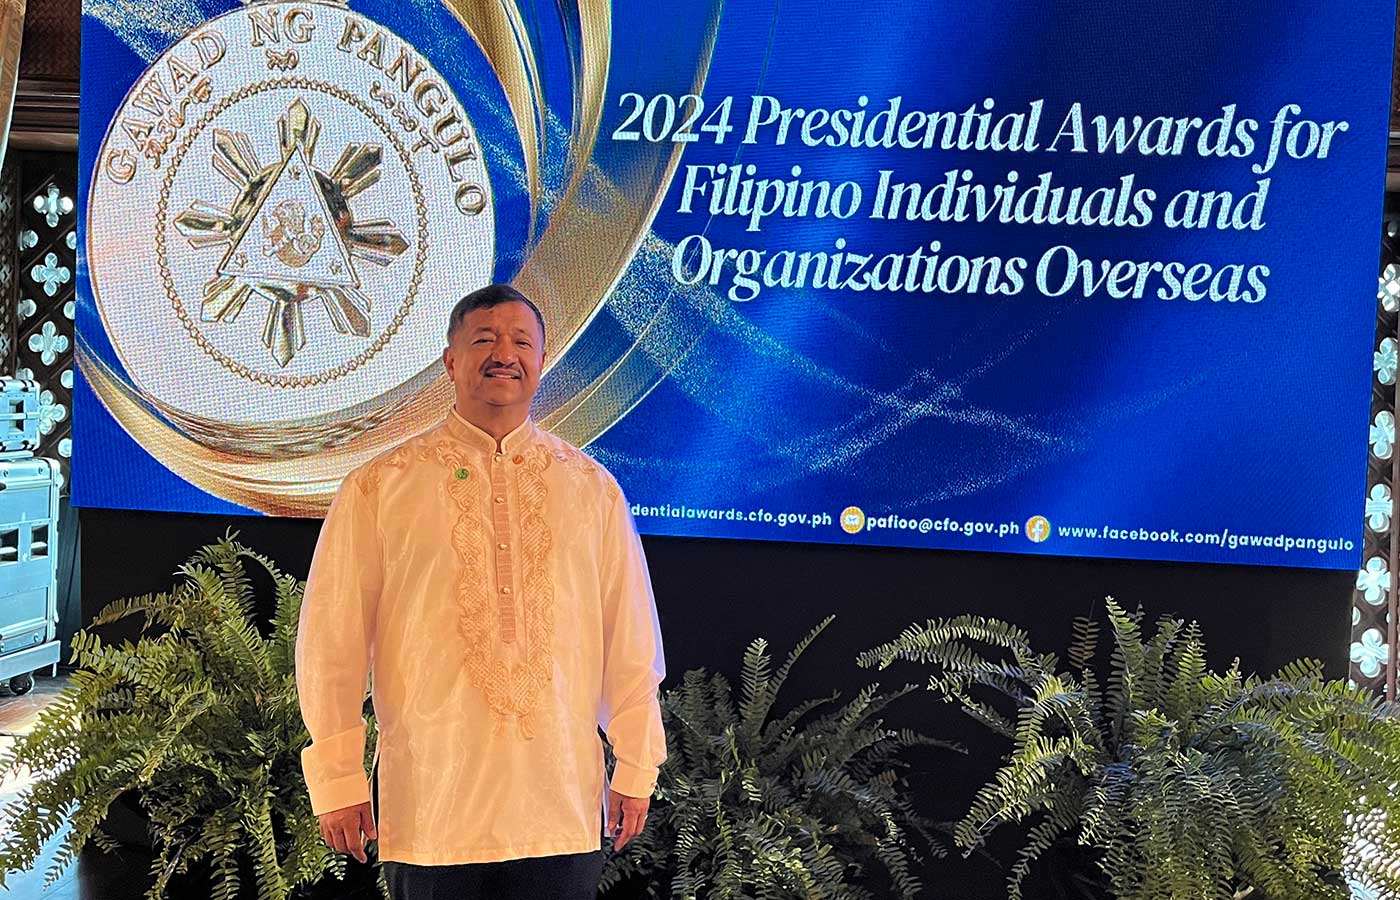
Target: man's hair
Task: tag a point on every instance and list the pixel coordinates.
(485, 298)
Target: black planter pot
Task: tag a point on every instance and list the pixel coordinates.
(128, 823)
(634, 888)
(361, 883)
(1066, 871)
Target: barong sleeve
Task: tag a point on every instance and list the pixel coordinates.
(333, 650)
(633, 661)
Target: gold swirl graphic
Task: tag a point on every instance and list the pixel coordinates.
(301, 485)
(499, 31)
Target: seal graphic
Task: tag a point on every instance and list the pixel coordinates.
(247, 314)
(283, 209)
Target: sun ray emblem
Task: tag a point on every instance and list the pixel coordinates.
(290, 235)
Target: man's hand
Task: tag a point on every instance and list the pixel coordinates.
(627, 816)
(346, 830)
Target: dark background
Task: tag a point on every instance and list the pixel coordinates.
(714, 596)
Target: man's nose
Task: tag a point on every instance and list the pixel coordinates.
(503, 352)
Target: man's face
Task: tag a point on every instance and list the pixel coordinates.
(495, 357)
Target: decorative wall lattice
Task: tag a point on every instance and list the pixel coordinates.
(9, 266)
(1373, 613)
(46, 241)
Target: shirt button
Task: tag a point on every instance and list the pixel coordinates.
(505, 590)
(500, 546)
(500, 499)
(498, 457)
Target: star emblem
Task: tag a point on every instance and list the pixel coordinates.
(290, 239)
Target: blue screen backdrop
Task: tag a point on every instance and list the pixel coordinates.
(1124, 306)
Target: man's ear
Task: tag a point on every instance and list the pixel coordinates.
(447, 360)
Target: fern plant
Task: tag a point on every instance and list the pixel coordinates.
(200, 718)
(1180, 782)
(802, 805)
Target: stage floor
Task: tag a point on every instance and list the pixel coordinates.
(95, 876)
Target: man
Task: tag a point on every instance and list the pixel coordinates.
(491, 578)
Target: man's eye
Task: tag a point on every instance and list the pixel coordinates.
(523, 343)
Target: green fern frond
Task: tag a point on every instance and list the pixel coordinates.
(200, 716)
(809, 805)
(1180, 782)
(1084, 642)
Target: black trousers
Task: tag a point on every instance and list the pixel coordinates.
(572, 876)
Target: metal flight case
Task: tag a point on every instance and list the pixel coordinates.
(29, 489)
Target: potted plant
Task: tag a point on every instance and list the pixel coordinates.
(808, 804)
(199, 721)
(1163, 780)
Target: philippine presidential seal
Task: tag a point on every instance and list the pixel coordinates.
(282, 211)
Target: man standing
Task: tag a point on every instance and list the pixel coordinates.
(490, 576)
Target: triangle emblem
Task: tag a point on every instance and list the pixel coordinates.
(291, 237)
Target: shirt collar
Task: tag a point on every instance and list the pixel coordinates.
(466, 432)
